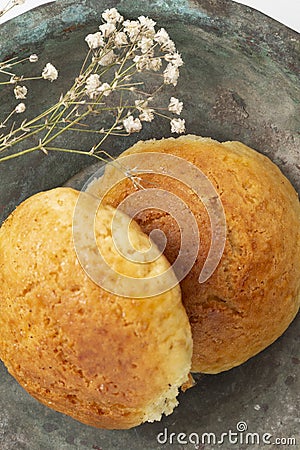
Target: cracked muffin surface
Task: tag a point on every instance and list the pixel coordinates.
(106, 360)
(254, 293)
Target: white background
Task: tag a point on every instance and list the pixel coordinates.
(285, 11)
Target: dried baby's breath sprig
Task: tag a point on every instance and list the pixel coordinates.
(127, 65)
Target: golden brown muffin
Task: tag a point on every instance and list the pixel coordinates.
(105, 360)
(254, 293)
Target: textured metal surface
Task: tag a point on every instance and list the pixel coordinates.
(240, 81)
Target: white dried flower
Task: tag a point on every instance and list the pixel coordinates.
(147, 26)
(141, 104)
(161, 36)
(94, 40)
(20, 108)
(112, 16)
(92, 84)
(18, 2)
(107, 29)
(94, 87)
(145, 44)
(33, 58)
(168, 46)
(177, 126)
(155, 64)
(20, 92)
(147, 115)
(93, 81)
(142, 62)
(174, 58)
(120, 39)
(163, 39)
(49, 72)
(107, 59)
(146, 22)
(171, 74)
(175, 106)
(132, 125)
(132, 28)
(105, 88)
